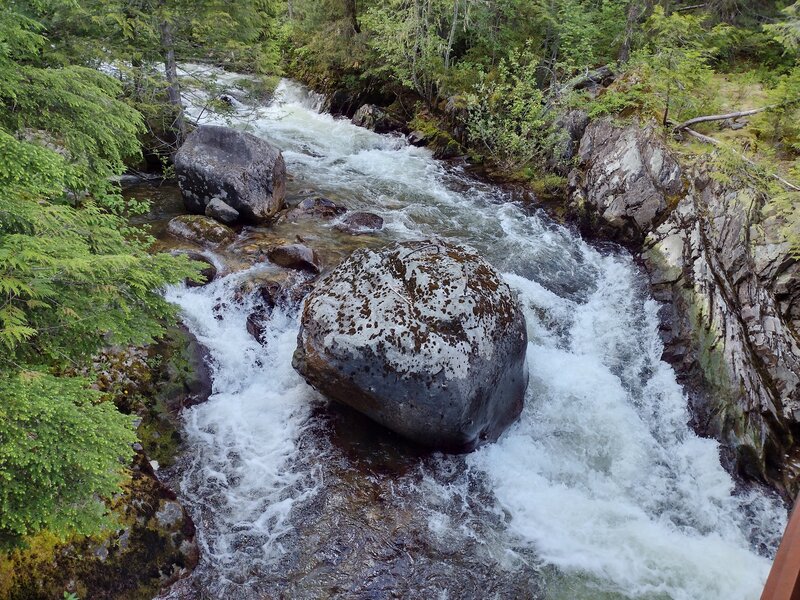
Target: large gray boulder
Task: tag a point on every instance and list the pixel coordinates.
(423, 337)
(241, 170)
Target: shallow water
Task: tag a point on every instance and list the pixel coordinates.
(601, 490)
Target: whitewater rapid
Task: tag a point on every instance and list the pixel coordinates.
(601, 490)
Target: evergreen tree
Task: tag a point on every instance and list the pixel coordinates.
(74, 277)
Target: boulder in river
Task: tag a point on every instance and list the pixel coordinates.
(200, 230)
(423, 337)
(295, 256)
(360, 222)
(244, 171)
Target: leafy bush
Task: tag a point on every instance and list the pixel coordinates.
(507, 116)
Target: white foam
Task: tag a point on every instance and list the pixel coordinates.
(244, 437)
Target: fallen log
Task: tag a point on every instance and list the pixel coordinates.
(709, 140)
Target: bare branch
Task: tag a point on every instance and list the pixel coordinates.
(733, 115)
(709, 140)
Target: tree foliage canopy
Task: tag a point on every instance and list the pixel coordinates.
(74, 277)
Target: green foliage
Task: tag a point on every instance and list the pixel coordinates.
(787, 30)
(139, 37)
(61, 452)
(788, 206)
(781, 124)
(507, 117)
(669, 77)
(74, 277)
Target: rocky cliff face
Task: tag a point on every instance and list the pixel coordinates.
(717, 258)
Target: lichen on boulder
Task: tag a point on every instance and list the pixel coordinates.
(423, 337)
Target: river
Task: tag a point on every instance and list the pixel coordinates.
(600, 490)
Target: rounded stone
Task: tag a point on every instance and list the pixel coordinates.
(243, 171)
(423, 337)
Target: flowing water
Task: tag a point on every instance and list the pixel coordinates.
(600, 490)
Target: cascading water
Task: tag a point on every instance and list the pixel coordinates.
(599, 491)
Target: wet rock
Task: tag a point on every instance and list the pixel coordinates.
(242, 170)
(201, 230)
(269, 295)
(295, 256)
(423, 337)
(169, 514)
(719, 259)
(625, 181)
(217, 209)
(315, 207)
(447, 149)
(417, 138)
(360, 222)
(371, 117)
(209, 273)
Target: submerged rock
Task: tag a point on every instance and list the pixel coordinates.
(316, 207)
(423, 337)
(360, 222)
(244, 171)
(200, 230)
(295, 256)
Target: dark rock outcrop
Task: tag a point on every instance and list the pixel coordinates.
(569, 128)
(423, 337)
(242, 170)
(358, 223)
(376, 119)
(200, 230)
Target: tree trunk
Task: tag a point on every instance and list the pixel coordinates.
(173, 85)
(637, 10)
(351, 14)
(733, 115)
(452, 37)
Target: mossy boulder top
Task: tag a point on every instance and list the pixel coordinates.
(245, 172)
(423, 337)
